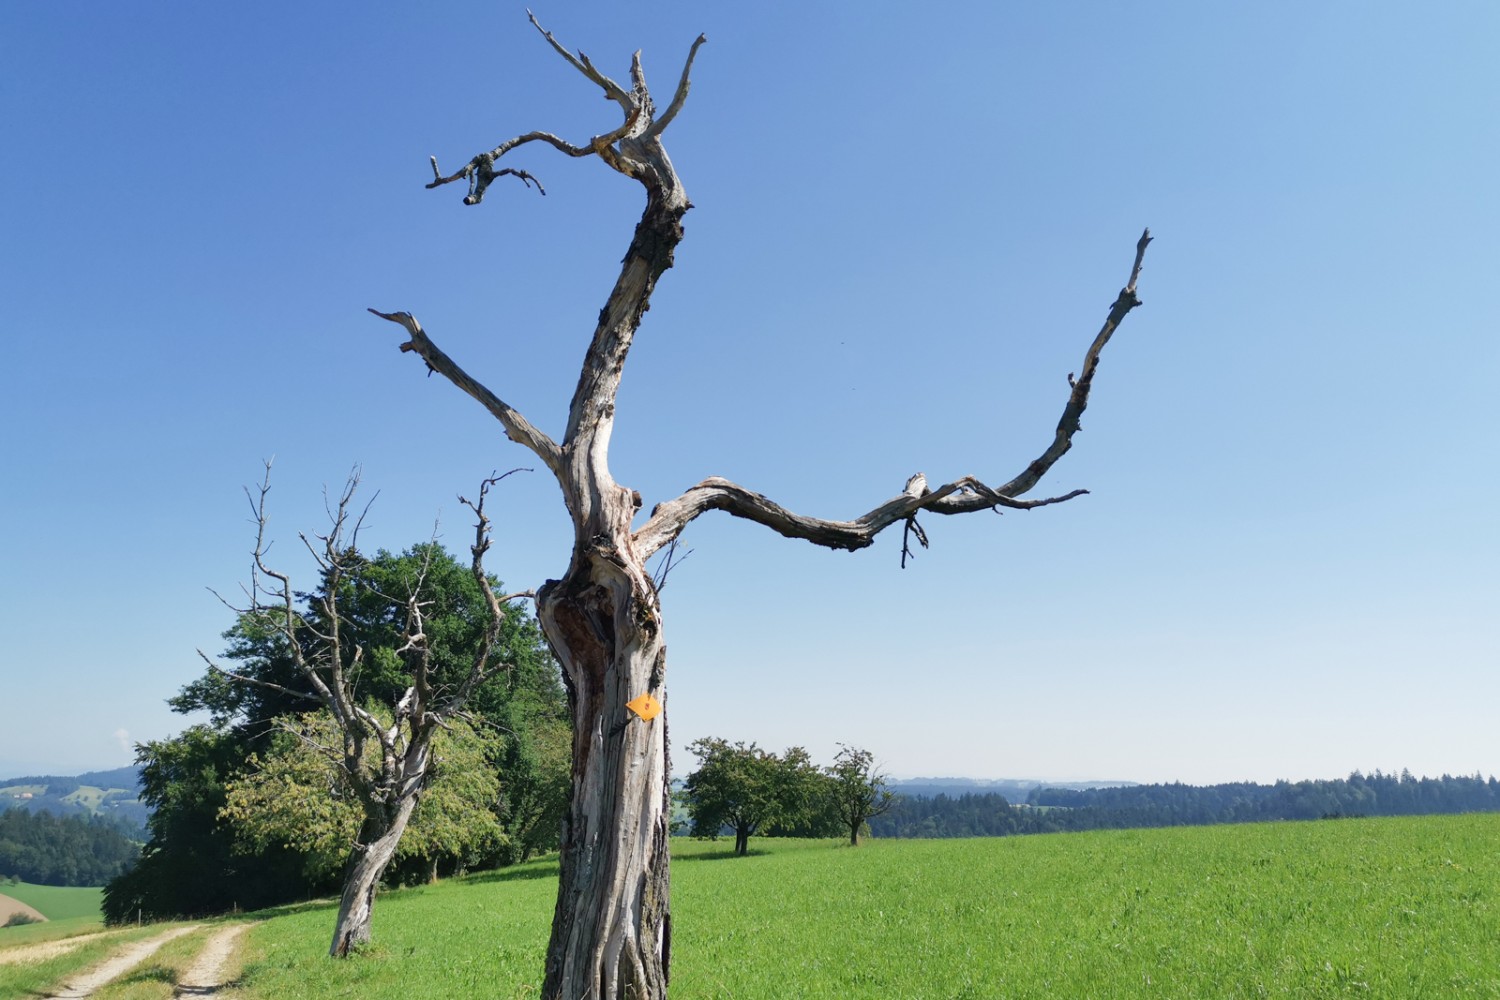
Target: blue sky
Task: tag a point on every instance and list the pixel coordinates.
(909, 223)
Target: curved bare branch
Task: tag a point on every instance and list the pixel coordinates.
(517, 427)
(1078, 399)
(961, 496)
(683, 85)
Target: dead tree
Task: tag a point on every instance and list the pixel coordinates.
(385, 763)
(611, 931)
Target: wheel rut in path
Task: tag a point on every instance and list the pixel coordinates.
(85, 983)
(206, 974)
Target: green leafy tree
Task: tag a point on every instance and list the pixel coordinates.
(300, 797)
(748, 789)
(190, 866)
(858, 789)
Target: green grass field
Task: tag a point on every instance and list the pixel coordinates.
(56, 902)
(1359, 908)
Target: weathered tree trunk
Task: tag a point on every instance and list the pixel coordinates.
(368, 860)
(854, 834)
(742, 841)
(611, 931)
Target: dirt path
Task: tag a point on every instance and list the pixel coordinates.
(46, 949)
(207, 974)
(127, 958)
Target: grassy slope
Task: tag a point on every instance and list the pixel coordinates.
(1389, 908)
(56, 902)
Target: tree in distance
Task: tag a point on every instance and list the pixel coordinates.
(857, 789)
(611, 931)
(749, 789)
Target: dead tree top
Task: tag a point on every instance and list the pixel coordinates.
(634, 149)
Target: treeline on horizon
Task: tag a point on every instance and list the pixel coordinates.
(120, 806)
(1059, 810)
(46, 849)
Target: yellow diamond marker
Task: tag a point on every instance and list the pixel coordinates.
(645, 706)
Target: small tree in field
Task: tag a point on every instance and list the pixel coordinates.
(611, 930)
(858, 789)
(748, 789)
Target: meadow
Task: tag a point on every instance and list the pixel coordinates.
(1398, 908)
(56, 902)
(1370, 908)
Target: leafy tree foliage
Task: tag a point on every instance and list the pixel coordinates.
(190, 865)
(857, 789)
(62, 850)
(205, 856)
(748, 789)
(298, 797)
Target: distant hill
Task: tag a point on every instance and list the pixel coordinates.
(115, 795)
(1014, 789)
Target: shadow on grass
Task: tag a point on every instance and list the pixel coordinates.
(285, 910)
(723, 855)
(516, 873)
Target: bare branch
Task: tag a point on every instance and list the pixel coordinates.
(612, 90)
(482, 668)
(683, 85)
(912, 528)
(255, 681)
(517, 427)
(1078, 398)
(958, 497)
(961, 496)
(670, 560)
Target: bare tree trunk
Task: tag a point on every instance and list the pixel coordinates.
(368, 860)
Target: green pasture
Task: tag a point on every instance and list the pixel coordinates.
(87, 796)
(56, 902)
(1360, 908)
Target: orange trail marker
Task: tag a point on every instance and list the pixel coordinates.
(645, 706)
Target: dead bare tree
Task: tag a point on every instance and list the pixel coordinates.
(611, 931)
(385, 763)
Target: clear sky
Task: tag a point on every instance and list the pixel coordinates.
(909, 223)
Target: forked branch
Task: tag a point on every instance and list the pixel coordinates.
(639, 123)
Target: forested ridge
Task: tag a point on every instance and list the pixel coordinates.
(113, 794)
(1054, 810)
(62, 850)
